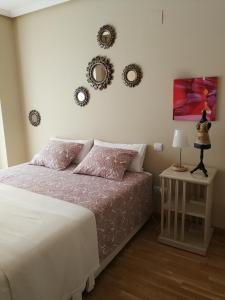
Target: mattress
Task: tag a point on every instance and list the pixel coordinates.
(119, 206)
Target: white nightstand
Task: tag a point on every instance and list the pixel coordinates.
(186, 204)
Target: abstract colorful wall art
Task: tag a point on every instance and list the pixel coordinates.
(191, 96)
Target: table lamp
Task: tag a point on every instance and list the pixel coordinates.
(180, 141)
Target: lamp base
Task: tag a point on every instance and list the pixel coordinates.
(178, 168)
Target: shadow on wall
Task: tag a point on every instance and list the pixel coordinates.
(156, 161)
(218, 206)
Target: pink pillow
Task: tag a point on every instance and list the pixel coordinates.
(110, 163)
(57, 155)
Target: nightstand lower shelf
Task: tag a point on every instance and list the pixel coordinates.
(192, 242)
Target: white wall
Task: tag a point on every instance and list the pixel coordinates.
(12, 143)
(56, 44)
(3, 152)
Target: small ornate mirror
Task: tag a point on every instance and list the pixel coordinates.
(132, 75)
(34, 117)
(99, 72)
(81, 96)
(106, 36)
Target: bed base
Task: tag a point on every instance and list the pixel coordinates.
(91, 279)
(77, 296)
(89, 286)
(109, 258)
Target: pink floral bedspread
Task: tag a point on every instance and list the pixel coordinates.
(118, 206)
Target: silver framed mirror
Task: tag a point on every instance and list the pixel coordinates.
(106, 36)
(99, 72)
(132, 75)
(81, 96)
(34, 117)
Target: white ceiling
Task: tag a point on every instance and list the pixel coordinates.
(15, 8)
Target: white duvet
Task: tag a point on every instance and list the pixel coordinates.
(48, 247)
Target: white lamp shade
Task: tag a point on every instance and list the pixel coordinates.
(180, 139)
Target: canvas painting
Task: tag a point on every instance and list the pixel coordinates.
(192, 96)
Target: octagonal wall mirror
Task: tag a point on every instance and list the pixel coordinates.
(106, 36)
(81, 96)
(132, 75)
(100, 72)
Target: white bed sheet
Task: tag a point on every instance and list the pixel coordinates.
(48, 247)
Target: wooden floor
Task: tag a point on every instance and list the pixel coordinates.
(146, 269)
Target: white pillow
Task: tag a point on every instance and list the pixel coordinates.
(86, 148)
(137, 163)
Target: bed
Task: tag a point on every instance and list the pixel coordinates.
(120, 207)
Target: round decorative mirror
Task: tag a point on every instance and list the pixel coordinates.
(99, 72)
(106, 36)
(34, 117)
(81, 96)
(132, 75)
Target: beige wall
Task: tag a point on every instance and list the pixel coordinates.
(11, 124)
(56, 44)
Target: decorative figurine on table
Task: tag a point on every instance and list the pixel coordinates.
(202, 141)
